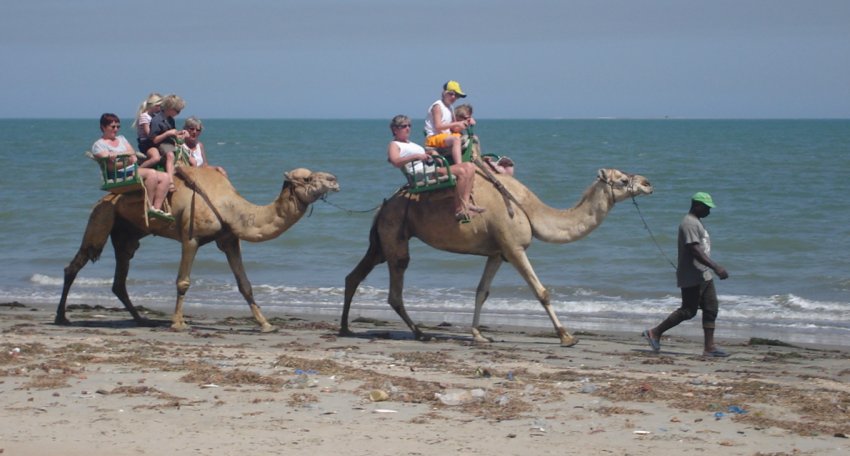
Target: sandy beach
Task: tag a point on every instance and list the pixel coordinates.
(105, 386)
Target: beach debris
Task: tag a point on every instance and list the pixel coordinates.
(460, 396)
(736, 410)
(482, 373)
(209, 385)
(640, 432)
(378, 395)
(771, 342)
(719, 415)
(586, 386)
(384, 411)
(840, 435)
(15, 352)
(510, 376)
(539, 425)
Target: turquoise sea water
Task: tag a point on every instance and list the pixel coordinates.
(781, 227)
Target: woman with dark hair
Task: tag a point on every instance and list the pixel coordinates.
(111, 146)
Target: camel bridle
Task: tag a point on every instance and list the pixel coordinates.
(629, 185)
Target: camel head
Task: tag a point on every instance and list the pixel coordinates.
(308, 186)
(623, 185)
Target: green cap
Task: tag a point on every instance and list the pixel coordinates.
(703, 198)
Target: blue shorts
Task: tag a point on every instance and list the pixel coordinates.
(123, 174)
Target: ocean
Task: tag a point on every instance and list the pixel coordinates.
(781, 227)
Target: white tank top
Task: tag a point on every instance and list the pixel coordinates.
(446, 115)
(407, 149)
(196, 155)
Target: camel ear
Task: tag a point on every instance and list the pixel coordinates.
(601, 174)
(298, 175)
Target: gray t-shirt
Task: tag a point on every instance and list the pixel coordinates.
(690, 271)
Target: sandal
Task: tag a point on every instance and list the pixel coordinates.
(462, 217)
(158, 213)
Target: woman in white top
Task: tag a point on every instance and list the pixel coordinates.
(111, 145)
(401, 151)
(197, 154)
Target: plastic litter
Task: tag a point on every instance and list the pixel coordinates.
(378, 395)
(736, 410)
(454, 397)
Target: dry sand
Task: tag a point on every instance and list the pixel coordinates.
(105, 386)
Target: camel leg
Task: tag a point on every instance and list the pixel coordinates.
(187, 257)
(97, 232)
(481, 294)
(357, 275)
(233, 251)
(397, 267)
(520, 261)
(125, 248)
(352, 281)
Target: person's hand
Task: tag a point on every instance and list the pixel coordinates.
(721, 272)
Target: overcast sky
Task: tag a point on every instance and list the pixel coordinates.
(378, 58)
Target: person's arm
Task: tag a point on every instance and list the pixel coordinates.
(700, 256)
(203, 155)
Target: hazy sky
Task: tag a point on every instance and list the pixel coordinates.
(378, 58)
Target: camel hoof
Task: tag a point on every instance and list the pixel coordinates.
(479, 339)
(182, 326)
(346, 333)
(62, 321)
(569, 342)
(267, 328)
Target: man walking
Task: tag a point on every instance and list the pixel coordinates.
(693, 276)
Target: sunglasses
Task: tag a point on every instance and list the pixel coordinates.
(115, 126)
(193, 129)
(403, 126)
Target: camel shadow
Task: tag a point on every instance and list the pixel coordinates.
(117, 324)
(405, 335)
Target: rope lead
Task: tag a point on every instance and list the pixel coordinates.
(652, 236)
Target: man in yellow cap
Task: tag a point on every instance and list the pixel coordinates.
(693, 276)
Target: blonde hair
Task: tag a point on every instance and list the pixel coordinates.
(154, 99)
(173, 102)
(464, 110)
(399, 120)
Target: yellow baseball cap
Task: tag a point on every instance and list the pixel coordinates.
(454, 86)
(703, 198)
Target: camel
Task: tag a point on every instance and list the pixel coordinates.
(502, 233)
(206, 208)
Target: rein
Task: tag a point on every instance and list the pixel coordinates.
(652, 236)
(324, 199)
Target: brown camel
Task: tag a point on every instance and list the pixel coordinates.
(206, 208)
(495, 234)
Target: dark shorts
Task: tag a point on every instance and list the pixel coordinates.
(144, 145)
(703, 297)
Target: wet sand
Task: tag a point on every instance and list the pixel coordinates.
(106, 386)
